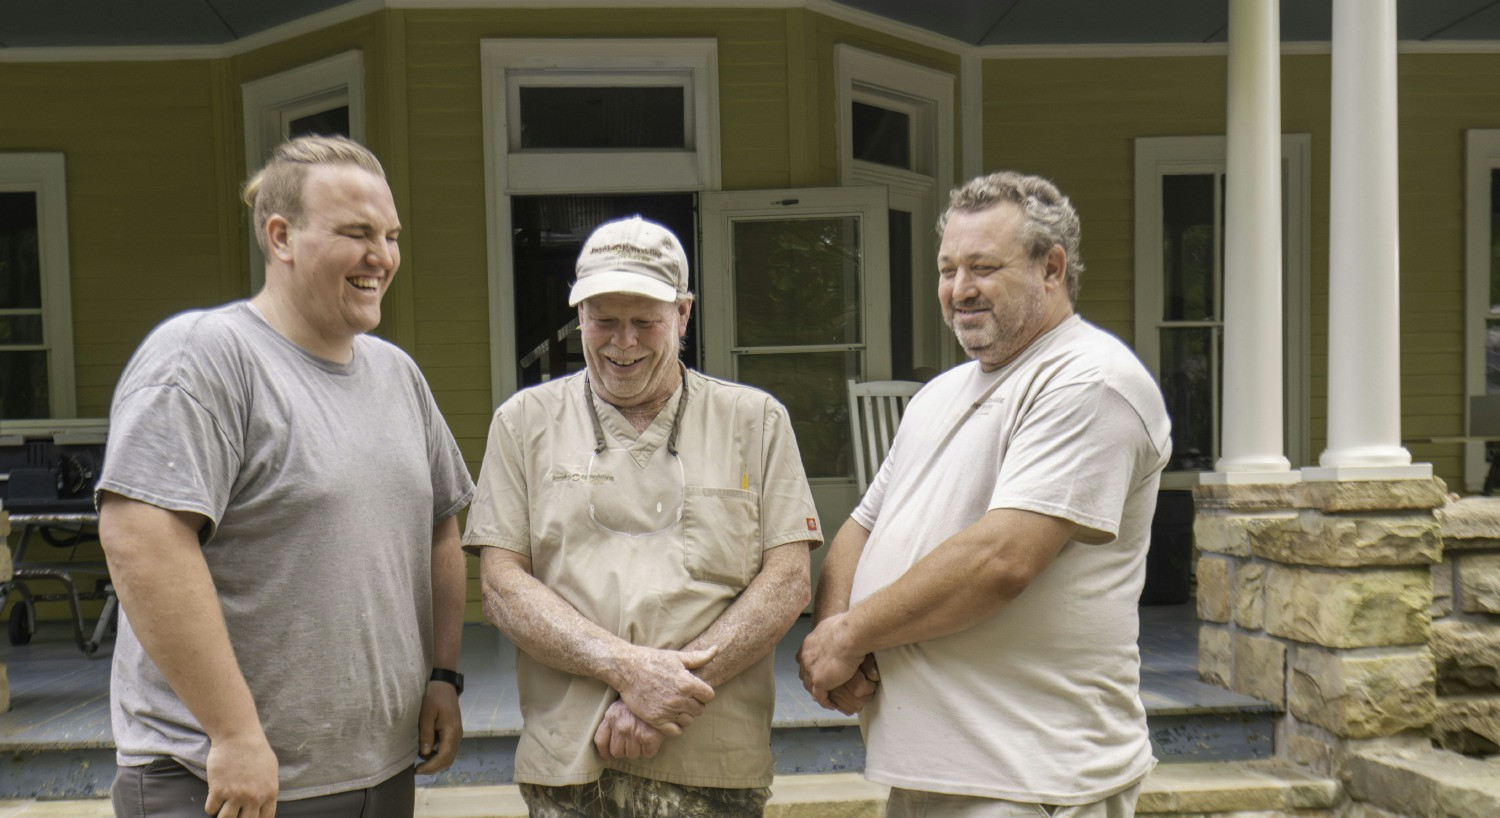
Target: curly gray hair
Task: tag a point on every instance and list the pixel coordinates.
(1050, 217)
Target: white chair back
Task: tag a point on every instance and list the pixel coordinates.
(875, 409)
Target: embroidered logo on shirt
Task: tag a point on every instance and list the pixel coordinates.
(565, 474)
(812, 523)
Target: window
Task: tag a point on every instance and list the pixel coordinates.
(36, 326)
(325, 97)
(794, 301)
(1482, 275)
(578, 132)
(1179, 310)
(896, 131)
(599, 116)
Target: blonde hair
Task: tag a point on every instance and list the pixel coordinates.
(277, 187)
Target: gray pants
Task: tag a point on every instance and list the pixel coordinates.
(921, 804)
(166, 789)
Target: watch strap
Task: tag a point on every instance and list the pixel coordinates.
(452, 677)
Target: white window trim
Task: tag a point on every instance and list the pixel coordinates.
(929, 99)
(45, 174)
(508, 173)
(1159, 156)
(269, 101)
(586, 62)
(1481, 155)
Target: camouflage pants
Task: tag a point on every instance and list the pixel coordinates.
(621, 795)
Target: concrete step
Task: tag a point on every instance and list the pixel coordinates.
(1203, 788)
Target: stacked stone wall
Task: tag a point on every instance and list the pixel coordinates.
(1466, 627)
(1370, 613)
(1317, 598)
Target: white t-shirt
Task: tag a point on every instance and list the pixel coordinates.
(1040, 702)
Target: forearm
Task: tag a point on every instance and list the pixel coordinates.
(448, 591)
(543, 624)
(764, 611)
(966, 579)
(157, 568)
(836, 579)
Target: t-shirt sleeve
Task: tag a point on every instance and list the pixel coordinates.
(1074, 455)
(787, 512)
(499, 515)
(867, 510)
(167, 448)
(452, 487)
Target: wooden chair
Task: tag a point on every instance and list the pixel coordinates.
(875, 409)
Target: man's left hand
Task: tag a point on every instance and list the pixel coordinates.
(624, 735)
(440, 727)
(827, 659)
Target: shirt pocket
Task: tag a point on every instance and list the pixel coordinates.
(721, 534)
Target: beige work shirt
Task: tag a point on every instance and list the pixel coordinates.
(744, 492)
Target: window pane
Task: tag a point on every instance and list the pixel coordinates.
(20, 329)
(796, 281)
(1492, 356)
(20, 263)
(1494, 240)
(1187, 383)
(882, 135)
(332, 122)
(814, 387)
(24, 377)
(620, 117)
(1188, 247)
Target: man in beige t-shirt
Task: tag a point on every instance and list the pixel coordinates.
(643, 532)
(993, 568)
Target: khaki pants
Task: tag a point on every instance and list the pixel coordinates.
(922, 804)
(166, 789)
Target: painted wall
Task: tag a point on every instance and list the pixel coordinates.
(776, 130)
(155, 157)
(1075, 120)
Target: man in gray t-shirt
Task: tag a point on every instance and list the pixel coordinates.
(278, 513)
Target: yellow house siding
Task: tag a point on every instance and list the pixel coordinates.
(1440, 97)
(144, 232)
(1075, 121)
(447, 173)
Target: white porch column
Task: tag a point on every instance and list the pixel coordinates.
(1364, 367)
(1253, 445)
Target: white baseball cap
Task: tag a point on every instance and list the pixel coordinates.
(631, 256)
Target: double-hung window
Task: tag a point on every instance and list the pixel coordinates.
(36, 325)
(1179, 304)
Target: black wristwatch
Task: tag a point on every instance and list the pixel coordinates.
(452, 677)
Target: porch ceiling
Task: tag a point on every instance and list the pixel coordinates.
(95, 23)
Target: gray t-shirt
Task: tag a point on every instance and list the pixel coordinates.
(322, 483)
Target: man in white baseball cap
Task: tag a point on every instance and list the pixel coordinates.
(644, 533)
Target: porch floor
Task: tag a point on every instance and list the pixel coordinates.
(60, 699)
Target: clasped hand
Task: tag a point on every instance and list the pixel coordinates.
(659, 697)
(836, 677)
